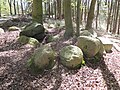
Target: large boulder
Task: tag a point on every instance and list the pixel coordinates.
(35, 30)
(1, 30)
(28, 40)
(71, 56)
(89, 45)
(43, 58)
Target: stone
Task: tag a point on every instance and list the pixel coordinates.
(71, 56)
(1, 30)
(89, 45)
(28, 40)
(33, 29)
(106, 43)
(13, 28)
(43, 58)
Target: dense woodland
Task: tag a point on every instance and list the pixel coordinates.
(59, 44)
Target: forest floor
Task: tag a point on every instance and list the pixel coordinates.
(14, 74)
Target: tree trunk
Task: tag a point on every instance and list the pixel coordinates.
(0, 9)
(68, 19)
(18, 8)
(10, 6)
(78, 18)
(59, 9)
(14, 7)
(116, 17)
(90, 15)
(22, 7)
(118, 31)
(55, 9)
(37, 13)
(98, 8)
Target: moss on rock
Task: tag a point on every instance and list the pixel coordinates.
(28, 40)
(89, 45)
(43, 58)
(71, 56)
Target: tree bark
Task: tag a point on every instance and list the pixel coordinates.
(10, 6)
(90, 15)
(37, 13)
(68, 19)
(78, 18)
(14, 7)
(116, 17)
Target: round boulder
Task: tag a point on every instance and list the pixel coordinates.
(43, 58)
(89, 45)
(71, 56)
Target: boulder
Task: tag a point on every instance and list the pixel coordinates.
(42, 59)
(89, 45)
(13, 28)
(28, 40)
(71, 56)
(35, 30)
(1, 30)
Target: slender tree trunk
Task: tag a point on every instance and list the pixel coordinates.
(10, 6)
(85, 13)
(98, 8)
(49, 8)
(0, 9)
(22, 7)
(18, 8)
(37, 13)
(90, 15)
(59, 9)
(78, 18)
(116, 17)
(68, 19)
(55, 9)
(118, 31)
(14, 7)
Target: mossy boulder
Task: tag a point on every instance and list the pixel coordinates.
(1, 30)
(35, 30)
(71, 56)
(13, 28)
(89, 45)
(43, 59)
(28, 40)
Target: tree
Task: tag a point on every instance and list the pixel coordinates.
(59, 9)
(37, 11)
(14, 4)
(68, 19)
(90, 15)
(10, 6)
(78, 17)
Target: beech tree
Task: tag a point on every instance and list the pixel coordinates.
(68, 19)
(90, 15)
(37, 11)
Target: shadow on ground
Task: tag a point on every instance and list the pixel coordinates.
(111, 82)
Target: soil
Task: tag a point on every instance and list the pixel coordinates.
(14, 74)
